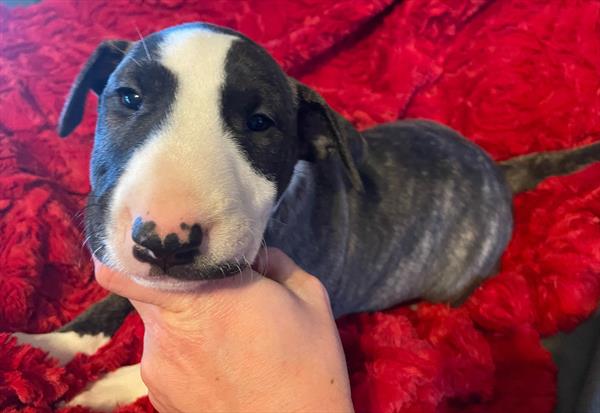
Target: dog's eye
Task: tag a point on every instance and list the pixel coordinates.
(259, 122)
(130, 98)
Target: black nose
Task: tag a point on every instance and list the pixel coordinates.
(150, 248)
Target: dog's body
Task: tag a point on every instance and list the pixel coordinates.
(433, 219)
(203, 147)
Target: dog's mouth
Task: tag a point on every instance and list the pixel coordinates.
(186, 278)
(193, 272)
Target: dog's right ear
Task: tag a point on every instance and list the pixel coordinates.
(94, 75)
(323, 131)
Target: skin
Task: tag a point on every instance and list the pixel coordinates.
(245, 343)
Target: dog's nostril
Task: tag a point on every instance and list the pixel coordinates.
(195, 236)
(144, 233)
(168, 252)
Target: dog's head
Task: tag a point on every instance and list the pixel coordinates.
(197, 136)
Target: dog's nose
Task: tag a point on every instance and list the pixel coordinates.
(167, 252)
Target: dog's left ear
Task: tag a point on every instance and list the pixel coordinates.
(324, 131)
(94, 75)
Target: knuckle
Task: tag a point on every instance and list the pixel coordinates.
(147, 376)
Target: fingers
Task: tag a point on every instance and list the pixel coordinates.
(276, 265)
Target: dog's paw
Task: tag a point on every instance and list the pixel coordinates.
(120, 387)
(64, 345)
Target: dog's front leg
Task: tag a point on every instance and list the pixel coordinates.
(86, 334)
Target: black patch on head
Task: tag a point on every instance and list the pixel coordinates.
(254, 83)
(120, 130)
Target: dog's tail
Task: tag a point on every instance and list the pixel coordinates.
(525, 172)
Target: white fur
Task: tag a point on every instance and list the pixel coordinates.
(64, 346)
(191, 170)
(117, 388)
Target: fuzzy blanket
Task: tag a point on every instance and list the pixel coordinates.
(514, 76)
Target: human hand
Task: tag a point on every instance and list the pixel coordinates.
(245, 343)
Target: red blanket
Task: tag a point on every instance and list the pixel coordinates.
(513, 76)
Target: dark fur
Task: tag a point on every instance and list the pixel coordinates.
(425, 189)
(525, 172)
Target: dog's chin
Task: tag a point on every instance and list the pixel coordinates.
(187, 278)
(195, 272)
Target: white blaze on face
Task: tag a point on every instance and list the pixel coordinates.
(190, 170)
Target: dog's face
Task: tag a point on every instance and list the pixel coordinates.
(197, 136)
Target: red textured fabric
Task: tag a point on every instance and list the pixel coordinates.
(514, 76)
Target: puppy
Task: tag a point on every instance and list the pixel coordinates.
(204, 148)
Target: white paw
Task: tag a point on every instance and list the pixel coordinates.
(64, 345)
(120, 387)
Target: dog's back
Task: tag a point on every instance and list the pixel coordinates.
(449, 203)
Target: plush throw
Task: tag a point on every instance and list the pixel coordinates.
(514, 76)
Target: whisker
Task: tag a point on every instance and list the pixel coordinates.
(250, 267)
(240, 277)
(86, 240)
(143, 43)
(124, 53)
(96, 250)
(266, 263)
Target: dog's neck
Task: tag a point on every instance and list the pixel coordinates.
(311, 219)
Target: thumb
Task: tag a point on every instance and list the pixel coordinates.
(276, 265)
